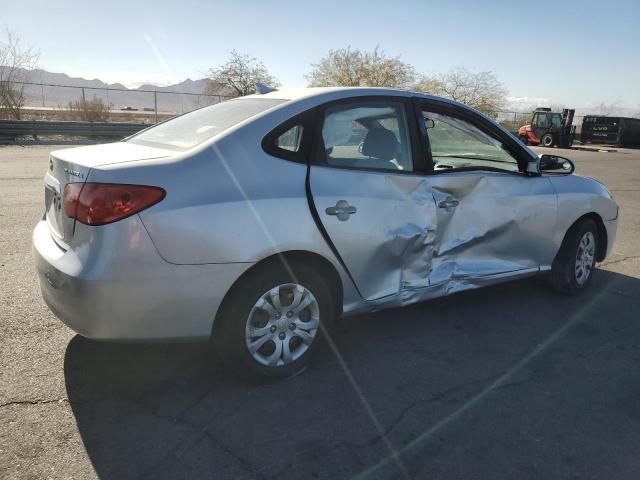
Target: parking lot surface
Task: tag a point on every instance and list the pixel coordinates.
(511, 381)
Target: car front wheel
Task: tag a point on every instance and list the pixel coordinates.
(573, 266)
(273, 321)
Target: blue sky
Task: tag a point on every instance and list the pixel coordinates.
(576, 53)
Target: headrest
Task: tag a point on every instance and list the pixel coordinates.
(380, 143)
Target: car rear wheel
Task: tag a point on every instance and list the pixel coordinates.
(274, 320)
(573, 266)
(547, 140)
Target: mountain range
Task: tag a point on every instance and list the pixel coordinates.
(57, 91)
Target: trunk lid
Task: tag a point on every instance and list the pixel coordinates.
(73, 165)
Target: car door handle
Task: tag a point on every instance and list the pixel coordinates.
(449, 203)
(342, 210)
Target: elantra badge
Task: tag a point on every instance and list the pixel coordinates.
(75, 173)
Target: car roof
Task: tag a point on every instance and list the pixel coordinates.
(335, 92)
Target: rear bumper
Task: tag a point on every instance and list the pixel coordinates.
(113, 285)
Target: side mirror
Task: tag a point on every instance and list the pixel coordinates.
(429, 123)
(556, 164)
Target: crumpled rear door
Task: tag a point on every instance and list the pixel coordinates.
(383, 226)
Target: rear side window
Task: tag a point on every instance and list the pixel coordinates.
(367, 135)
(291, 139)
(191, 129)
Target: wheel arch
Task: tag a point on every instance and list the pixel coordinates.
(602, 233)
(327, 269)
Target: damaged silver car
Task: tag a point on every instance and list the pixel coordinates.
(258, 221)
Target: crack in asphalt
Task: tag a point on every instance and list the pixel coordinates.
(611, 262)
(246, 465)
(34, 402)
(50, 401)
(401, 416)
(204, 433)
(432, 398)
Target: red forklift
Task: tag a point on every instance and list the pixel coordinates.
(549, 129)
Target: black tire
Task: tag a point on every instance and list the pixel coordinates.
(547, 140)
(564, 276)
(229, 328)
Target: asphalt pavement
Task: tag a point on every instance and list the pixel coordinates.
(511, 381)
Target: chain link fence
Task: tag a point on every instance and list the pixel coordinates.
(512, 121)
(65, 102)
(43, 101)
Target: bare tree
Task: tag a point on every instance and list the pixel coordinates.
(606, 109)
(16, 64)
(481, 90)
(239, 76)
(354, 68)
(431, 85)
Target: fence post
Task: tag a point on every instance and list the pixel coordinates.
(155, 104)
(41, 88)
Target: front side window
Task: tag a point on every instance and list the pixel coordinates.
(541, 120)
(191, 129)
(457, 144)
(368, 135)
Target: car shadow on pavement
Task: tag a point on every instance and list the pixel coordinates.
(480, 384)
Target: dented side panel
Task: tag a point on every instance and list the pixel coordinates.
(411, 237)
(388, 241)
(502, 223)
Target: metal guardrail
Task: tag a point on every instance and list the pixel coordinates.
(10, 129)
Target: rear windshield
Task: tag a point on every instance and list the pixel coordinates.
(192, 128)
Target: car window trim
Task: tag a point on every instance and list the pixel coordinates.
(306, 119)
(479, 168)
(474, 118)
(317, 156)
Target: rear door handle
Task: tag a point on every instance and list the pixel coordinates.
(449, 203)
(342, 210)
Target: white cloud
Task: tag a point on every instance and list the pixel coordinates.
(527, 103)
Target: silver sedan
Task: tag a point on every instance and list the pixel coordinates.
(258, 221)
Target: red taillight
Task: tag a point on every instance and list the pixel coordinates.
(70, 198)
(102, 203)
